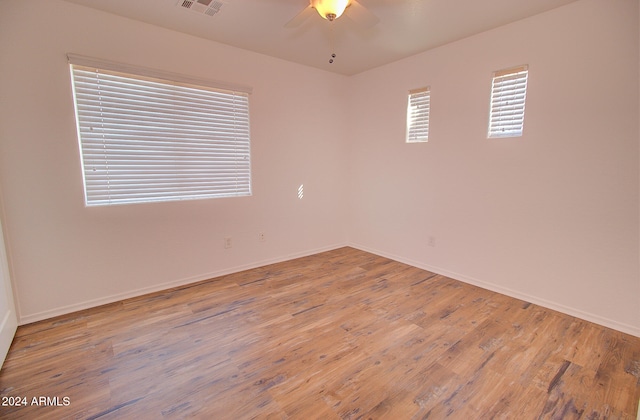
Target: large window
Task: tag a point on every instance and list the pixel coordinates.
(508, 94)
(150, 136)
(418, 105)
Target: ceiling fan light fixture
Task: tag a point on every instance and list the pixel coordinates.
(330, 9)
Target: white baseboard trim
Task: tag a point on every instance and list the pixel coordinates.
(596, 319)
(30, 318)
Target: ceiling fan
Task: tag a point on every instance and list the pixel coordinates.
(332, 10)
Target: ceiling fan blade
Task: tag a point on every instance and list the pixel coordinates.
(359, 14)
(300, 17)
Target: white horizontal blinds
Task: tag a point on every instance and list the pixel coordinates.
(418, 115)
(145, 139)
(508, 94)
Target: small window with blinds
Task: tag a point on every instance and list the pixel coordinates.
(508, 94)
(418, 115)
(147, 136)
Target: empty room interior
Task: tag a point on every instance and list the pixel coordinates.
(355, 271)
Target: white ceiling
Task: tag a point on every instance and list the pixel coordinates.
(405, 27)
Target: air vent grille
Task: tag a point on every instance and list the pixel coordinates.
(206, 7)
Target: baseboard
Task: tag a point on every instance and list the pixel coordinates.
(625, 328)
(596, 319)
(30, 318)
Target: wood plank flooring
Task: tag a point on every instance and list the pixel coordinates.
(339, 335)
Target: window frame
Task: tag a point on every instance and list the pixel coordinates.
(506, 119)
(417, 129)
(170, 137)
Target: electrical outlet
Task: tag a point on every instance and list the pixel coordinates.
(261, 237)
(227, 242)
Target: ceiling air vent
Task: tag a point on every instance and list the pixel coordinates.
(207, 7)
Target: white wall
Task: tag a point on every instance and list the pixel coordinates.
(552, 216)
(65, 256)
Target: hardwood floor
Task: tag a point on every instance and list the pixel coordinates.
(342, 334)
